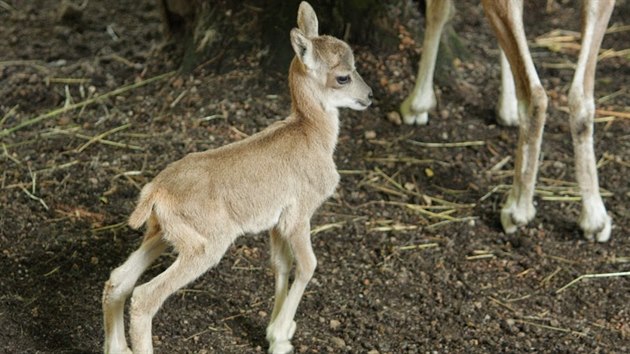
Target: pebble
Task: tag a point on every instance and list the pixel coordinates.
(338, 342)
(394, 117)
(370, 134)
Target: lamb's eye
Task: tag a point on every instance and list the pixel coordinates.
(342, 80)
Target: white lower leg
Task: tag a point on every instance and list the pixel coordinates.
(119, 287)
(149, 297)
(518, 210)
(507, 110)
(416, 106)
(113, 308)
(140, 331)
(282, 285)
(281, 329)
(281, 262)
(594, 220)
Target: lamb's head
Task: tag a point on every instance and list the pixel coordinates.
(329, 62)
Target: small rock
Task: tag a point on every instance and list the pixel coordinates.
(340, 343)
(334, 324)
(370, 134)
(394, 117)
(559, 164)
(394, 87)
(64, 120)
(177, 83)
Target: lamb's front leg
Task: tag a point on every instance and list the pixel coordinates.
(281, 262)
(282, 326)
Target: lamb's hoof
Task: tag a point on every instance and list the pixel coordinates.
(280, 346)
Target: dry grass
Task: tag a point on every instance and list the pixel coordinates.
(71, 107)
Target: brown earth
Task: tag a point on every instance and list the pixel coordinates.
(394, 275)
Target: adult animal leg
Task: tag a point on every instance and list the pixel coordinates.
(594, 220)
(506, 18)
(416, 106)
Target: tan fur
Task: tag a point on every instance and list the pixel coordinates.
(275, 179)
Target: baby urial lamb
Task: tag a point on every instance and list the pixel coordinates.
(273, 180)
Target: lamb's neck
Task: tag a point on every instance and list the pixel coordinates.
(307, 105)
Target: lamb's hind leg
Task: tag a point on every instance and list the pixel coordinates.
(594, 220)
(415, 108)
(121, 283)
(196, 255)
(506, 19)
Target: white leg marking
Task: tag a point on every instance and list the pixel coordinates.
(507, 111)
(506, 18)
(119, 287)
(281, 329)
(195, 257)
(415, 107)
(594, 220)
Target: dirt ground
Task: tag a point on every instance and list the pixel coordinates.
(412, 258)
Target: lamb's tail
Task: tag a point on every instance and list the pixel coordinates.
(144, 207)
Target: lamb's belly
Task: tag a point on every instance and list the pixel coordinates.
(263, 222)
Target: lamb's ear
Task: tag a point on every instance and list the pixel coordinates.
(303, 48)
(307, 20)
